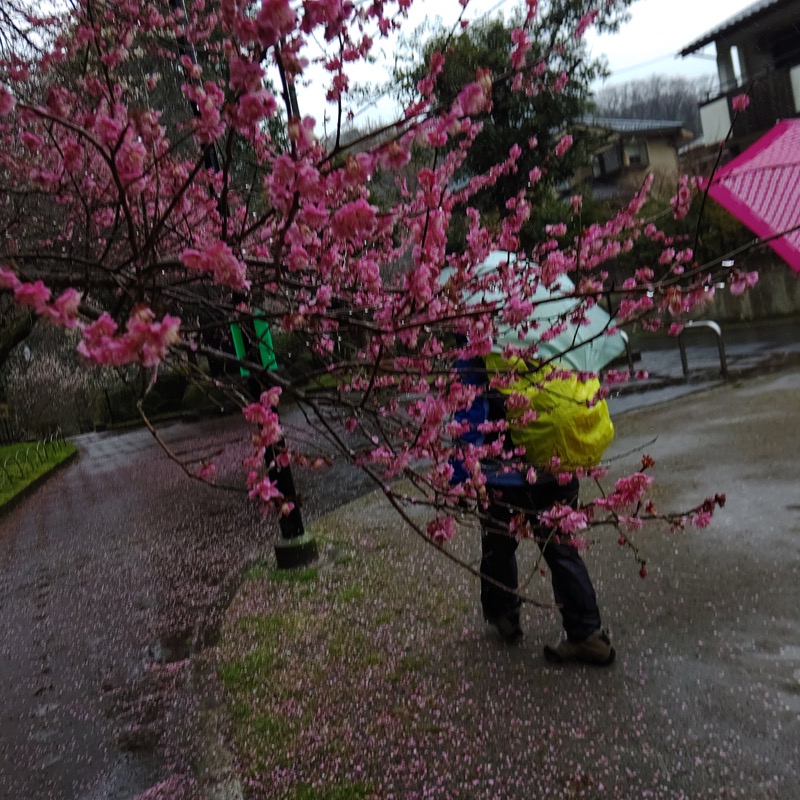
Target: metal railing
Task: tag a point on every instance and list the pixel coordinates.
(22, 464)
(628, 351)
(772, 99)
(700, 325)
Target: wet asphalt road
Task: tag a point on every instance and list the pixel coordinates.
(114, 568)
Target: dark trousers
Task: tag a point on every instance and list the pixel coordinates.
(572, 587)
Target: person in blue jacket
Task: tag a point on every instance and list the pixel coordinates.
(510, 494)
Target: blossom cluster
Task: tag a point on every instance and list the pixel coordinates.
(180, 190)
(62, 311)
(144, 341)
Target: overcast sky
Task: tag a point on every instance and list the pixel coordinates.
(644, 46)
(658, 29)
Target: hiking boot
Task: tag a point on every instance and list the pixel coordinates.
(596, 649)
(507, 629)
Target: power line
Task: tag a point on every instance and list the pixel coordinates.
(644, 64)
(657, 60)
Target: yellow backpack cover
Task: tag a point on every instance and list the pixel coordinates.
(569, 424)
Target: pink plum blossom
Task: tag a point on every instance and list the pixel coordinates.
(144, 342)
(63, 310)
(441, 530)
(559, 85)
(218, 259)
(7, 102)
(473, 98)
(564, 519)
(130, 160)
(208, 100)
(585, 21)
(354, 220)
(275, 19)
(9, 279)
(522, 45)
(628, 491)
(245, 76)
(393, 156)
(35, 295)
(262, 488)
(109, 129)
(255, 106)
(144, 216)
(563, 145)
(740, 102)
(742, 281)
(681, 202)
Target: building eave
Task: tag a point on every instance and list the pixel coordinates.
(636, 127)
(746, 16)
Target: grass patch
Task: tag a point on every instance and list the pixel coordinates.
(256, 572)
(354, 648)
(343, 558)
(245, 674)
(294, 575)
(249, 672)
(276, 730)
(266, 628)
(268, 733)
(350, 593)
(407, 665)
(22, 464)
(298, 661)
(341, 792)
(270, 736)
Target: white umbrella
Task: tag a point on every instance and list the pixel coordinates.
(586, 348)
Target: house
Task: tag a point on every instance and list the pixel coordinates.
(625, 151)
(758, 52)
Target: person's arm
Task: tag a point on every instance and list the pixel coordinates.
(472, 373)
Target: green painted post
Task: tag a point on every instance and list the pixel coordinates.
(295, 548)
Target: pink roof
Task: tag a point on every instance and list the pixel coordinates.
(761, 187)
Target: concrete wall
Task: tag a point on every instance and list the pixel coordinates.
(662, 161)
(663, 157)
(777, 294)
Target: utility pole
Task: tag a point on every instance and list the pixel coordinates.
(295, 548)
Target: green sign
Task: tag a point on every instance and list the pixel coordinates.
(266, 351)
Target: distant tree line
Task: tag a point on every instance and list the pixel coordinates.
(657, 97)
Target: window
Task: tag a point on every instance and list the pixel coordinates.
(607, 162)
(636, 153)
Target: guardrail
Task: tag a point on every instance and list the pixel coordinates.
(716, 330)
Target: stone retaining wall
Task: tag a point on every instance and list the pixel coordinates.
(777, 294)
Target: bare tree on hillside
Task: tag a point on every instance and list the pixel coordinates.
(657, 97)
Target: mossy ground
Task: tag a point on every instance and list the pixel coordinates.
(320, 666)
